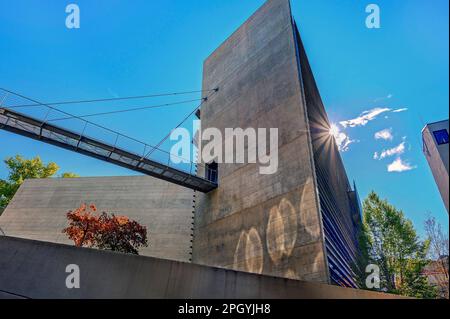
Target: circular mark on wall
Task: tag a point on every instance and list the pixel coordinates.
(248, 255)
(281, 233)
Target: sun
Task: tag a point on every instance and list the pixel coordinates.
(334, 130)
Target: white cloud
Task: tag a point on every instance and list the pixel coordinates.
(385, 134)
(400, 149)
(343, 141)
(370, 115)
(389, 96)
(365, 117)
(399, 166)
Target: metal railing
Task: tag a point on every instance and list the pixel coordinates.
(91, 139)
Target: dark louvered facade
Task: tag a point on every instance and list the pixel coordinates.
(339, 203)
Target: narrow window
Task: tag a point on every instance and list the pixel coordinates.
(212, 172)
(441, 137)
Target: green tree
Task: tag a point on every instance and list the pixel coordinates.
(438, 254)
(389, 240)
(21, 169)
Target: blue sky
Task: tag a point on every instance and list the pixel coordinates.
(146, 47)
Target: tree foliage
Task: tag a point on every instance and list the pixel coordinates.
(20, 169)
(69, 175)
(439, 253)
(103, 231)
(389, 240)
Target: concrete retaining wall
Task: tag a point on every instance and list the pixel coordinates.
(32, 269)
(38, 210)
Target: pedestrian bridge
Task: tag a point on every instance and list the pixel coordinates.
(159, 165)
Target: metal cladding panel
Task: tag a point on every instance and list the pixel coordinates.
(341, 215)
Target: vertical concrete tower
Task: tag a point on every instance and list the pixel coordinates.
(267, 224)
(274, 224)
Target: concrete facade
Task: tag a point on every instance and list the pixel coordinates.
(437, 156)
(266, 224)
(25, 267)
(38, 210)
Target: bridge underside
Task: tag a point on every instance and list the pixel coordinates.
(36, 129)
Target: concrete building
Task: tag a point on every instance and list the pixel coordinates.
(435, 147)
(299, 223)
(38, 210)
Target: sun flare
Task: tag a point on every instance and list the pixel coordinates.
(334, 130)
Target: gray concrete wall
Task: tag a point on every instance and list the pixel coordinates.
(268, 224)
(438, 157)
(32, 269)
(38, 210)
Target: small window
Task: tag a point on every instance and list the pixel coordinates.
(212, 172)
(441, 137)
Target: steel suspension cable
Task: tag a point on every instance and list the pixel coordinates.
(85, 121)
(127, 110)
(110, 99)
(179, 124)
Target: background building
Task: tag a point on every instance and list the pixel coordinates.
(435, 147)
(437, 274)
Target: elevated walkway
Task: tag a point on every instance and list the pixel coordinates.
(43, 131)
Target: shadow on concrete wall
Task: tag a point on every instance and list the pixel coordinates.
(281, 237)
